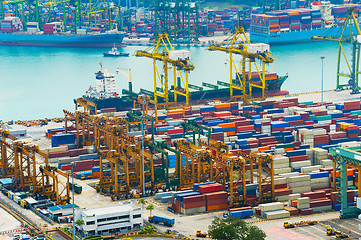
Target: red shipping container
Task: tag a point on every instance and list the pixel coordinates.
(217, 201)
(210, 188)
(239, 209)
(282, 192)
(314, 195)
(298, 158)
(194, 204)
(320, 202)
(216, 195)
(307, 211)
(194, 198)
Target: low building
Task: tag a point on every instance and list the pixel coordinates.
(110, 220)
(56, 212)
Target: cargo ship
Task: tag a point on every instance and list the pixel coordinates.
(11, 33)
(300, 25)
(105, 94)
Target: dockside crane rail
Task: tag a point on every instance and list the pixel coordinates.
(162, 50)
(352, 66)
(238, 43)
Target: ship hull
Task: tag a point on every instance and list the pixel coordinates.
(273, 88)
(89, 40)
(296, 36)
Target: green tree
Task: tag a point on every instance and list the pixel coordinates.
(150, 208)
(142, 202)
(79, 222)
(234, 228)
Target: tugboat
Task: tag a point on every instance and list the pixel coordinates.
(115, 53)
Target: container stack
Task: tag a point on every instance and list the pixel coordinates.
(340, 12)
(274, 210)
(54, 27)
(193, 204)
(281, 165)
(318, 201)
(298, 159)
(299, 184)
(305, 19)
(319, 180)
(336, 199)
(11, 24)
(216, 201)
(61, 139)
(32, 27)
(316, 19)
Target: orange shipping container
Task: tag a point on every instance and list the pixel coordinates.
(216, 207)
(294, 203)
(265, 148)
(227, 125)
(288, 149)
(230, 134)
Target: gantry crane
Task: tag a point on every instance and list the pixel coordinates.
(222, 169)
(352, 76)
(198, 156)
(343, 158)
(162, 50)
(238, 43)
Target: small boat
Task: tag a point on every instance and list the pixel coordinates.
(115, 53)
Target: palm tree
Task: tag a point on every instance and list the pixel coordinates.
(150, 207)
(142, 202)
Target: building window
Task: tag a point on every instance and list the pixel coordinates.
(137, 216)
(102, 220)
(112, 218)
(90, 223)
(125, 216)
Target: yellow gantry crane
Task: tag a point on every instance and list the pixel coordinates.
(239, 44)
(162, 50)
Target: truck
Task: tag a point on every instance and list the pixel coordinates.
(169, 222)
(77, 188)
(239, 214)
(298, 224)
(338, 234)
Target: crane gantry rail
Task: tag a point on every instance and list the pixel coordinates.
(239, 44)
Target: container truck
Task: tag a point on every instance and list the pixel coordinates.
(169, 222)
(77, 188)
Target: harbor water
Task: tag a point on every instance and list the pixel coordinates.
(39, 82)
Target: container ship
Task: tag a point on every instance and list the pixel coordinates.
(53, 35)
(299, 25)
(105, 94)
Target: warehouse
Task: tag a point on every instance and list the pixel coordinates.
(110, 220)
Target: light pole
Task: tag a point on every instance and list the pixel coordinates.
(143, 155)
(72, 188)
(322, 58)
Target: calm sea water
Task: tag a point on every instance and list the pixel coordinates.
(39, 82)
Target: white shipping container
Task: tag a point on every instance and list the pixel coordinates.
(258, 48)
(301, 189)
(278, 181)
(301, 164)
(326, 163)
(277, 214)
(299, 184)
(322, 209)
(320, 185)
(289, 175)
(281, 159)
(302, 178)
(303, 200)
(284, 198)
(278, 171)
(270, 206)
(294, 196)
(179, 55)
(310, 169)
(281, 165)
